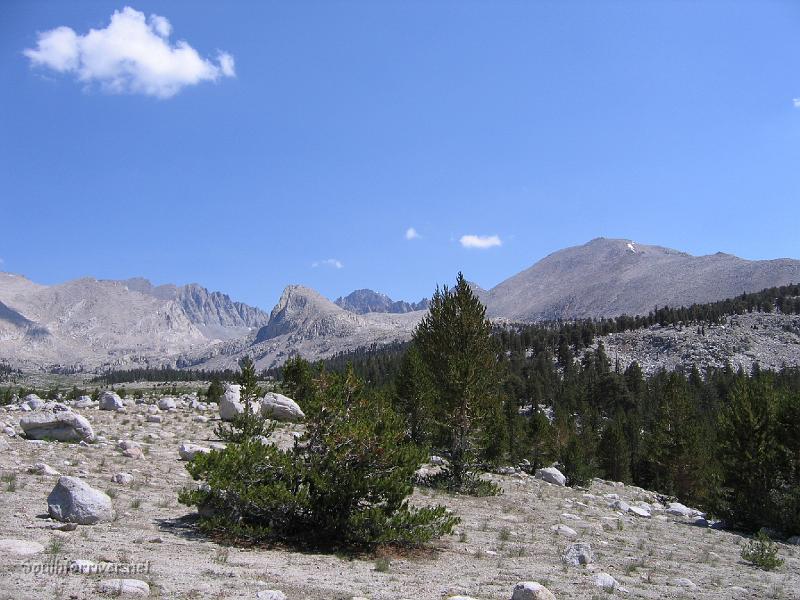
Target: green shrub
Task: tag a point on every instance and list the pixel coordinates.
(344, 482)
(762, 552)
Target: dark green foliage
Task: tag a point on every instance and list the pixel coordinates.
(215, 390)
(163, 374)
(762, 552)
(414, 397)
(345, 482)
(297, 377)
(456, 347)
(250, 424)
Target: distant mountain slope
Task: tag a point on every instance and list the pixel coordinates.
(607, 277)
(367, 301)
(89, 324)
(213, 312)
(305, 322)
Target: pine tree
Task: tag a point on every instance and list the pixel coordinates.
(414, 394)
(455, 342)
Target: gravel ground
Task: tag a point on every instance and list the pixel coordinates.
(501, 541)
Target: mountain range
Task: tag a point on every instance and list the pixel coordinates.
(90, 324)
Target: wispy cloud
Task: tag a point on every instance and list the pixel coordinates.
(796, 102)
(328, 262)
(481, 242)
(133, 54)
(411, 234)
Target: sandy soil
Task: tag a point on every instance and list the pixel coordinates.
(501, 541)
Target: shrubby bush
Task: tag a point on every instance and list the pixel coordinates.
(346, 480)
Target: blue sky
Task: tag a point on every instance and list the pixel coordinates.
(318, 133)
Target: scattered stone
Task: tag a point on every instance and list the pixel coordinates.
(64, 527)
(684, 582)
(41, 468)
(84, 402)
(200, 419)
(32, 401)
(62, 426)
(605, 581)
(531, 590)
(111, 401)
(188, 451)
(564, 531)
(639, 512)
(271, 595)
(122, 478)
(20, 547)
(153, 418)
(124, 587)
(621, 506)
(280, 408)
(135, 452)
(167, 403)
(578, 554)
(229, 404)
(551, 475)
(82, 567)
(75, 501)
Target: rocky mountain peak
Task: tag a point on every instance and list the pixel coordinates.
(365, 301)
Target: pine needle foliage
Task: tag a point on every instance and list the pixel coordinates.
(344, 483)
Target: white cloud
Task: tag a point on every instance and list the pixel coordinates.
(133, 54)
(796, 102)
(411, 234)
(480, 241)
(328, 262)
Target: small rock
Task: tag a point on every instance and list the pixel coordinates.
(271, 595)
(111, 401)
(20, 547)
(41, 468)
(531, 590)
(605, 581)
(153, 419)
(684, 582)
(563, 530)
(188, 451)
(578, 554)
(135, 452)
(122, 478)
(200, 419)
(167, 403)
(82, 567)
(639, 512)
(124, 587)
(75, 501)
(551, 475)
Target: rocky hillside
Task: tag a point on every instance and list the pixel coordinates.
(367, 301)
(88, 324)
(771, 340)
(606, 278)
(305, 322)
(214, 313)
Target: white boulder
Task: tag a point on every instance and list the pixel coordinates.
(20, 547)
(111, 401)
(531, 590)
(280, 408)
(122, 478)
(577, 554)
(60, 425)
(551, 475)
(167, 403)
(75, 501)
(124, 587)
(188, 451)
(563, 530)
